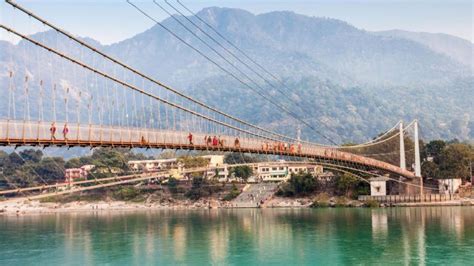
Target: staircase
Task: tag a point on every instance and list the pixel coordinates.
(254, 195)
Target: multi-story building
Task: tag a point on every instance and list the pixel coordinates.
(154, 165)
(72, 174)
(281, 171)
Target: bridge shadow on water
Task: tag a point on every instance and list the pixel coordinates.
(244, 236)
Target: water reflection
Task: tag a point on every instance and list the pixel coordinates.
(253, 237)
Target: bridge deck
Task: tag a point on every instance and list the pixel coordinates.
(31, 133)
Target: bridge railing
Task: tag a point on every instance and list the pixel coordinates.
(14, 131)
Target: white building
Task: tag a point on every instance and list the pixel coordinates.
(153, 165)
(281, 171)
(449, 186)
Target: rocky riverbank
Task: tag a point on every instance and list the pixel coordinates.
(26, 207)
(319, 201)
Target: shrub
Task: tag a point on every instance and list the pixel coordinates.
(372, 204)
(299, 185)
(233, 193)
(243, 171)
(173, 185)
(345, 183)
(126, 193)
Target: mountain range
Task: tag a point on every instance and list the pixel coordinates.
(349, 83)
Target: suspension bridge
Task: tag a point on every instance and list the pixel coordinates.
(72, 94)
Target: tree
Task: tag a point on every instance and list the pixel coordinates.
(73, 163)
(109, 162)
(238, 158)
(196, 191)
(14, 161)
(429, 169)
(3, 158)
(299, 185)
(173, 185)
(345, 183)
(233, 193)
(193, 162)
(242, 171)
(50, 168)
(31, 155)
(454, 161)
(434, 149)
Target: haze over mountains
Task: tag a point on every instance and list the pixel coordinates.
(358, 82)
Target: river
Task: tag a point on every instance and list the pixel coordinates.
(434, 235)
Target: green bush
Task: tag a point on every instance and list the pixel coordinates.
(372, 204)
(173, 185)
(299, 185)
(233, 193)
(126, 193)
(341, 202)
(242, 171)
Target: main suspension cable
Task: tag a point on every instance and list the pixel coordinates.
(125, 84)
(133, 70)
(279, 106)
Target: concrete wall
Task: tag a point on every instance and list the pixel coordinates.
(378, 188)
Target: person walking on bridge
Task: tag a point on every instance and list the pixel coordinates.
(52, 130)
(215, 142)
(190, 138)
(65, 131)
(209, 141)
(237, 142)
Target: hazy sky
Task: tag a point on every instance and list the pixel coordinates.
(110, 21)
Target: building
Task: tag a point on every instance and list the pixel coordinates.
(153, 165)
(449, 186)
(378, 186)
(281, 171)
(214, 160)
(72, 174)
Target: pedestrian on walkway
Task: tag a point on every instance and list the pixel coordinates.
(52, 130)
(190, 138)
(221, 141)
(214, 141)
(65, 131)
(237, 142)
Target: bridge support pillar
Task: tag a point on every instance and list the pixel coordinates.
(402, 147)
(417, 157)
(401, 188)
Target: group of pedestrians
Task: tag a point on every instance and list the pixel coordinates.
(213, 141)
(281, 146)
(53, 129)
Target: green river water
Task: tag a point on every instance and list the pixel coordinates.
(415, 236)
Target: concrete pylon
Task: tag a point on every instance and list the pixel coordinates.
(417, 158)
(417, 150)
(402, 148)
